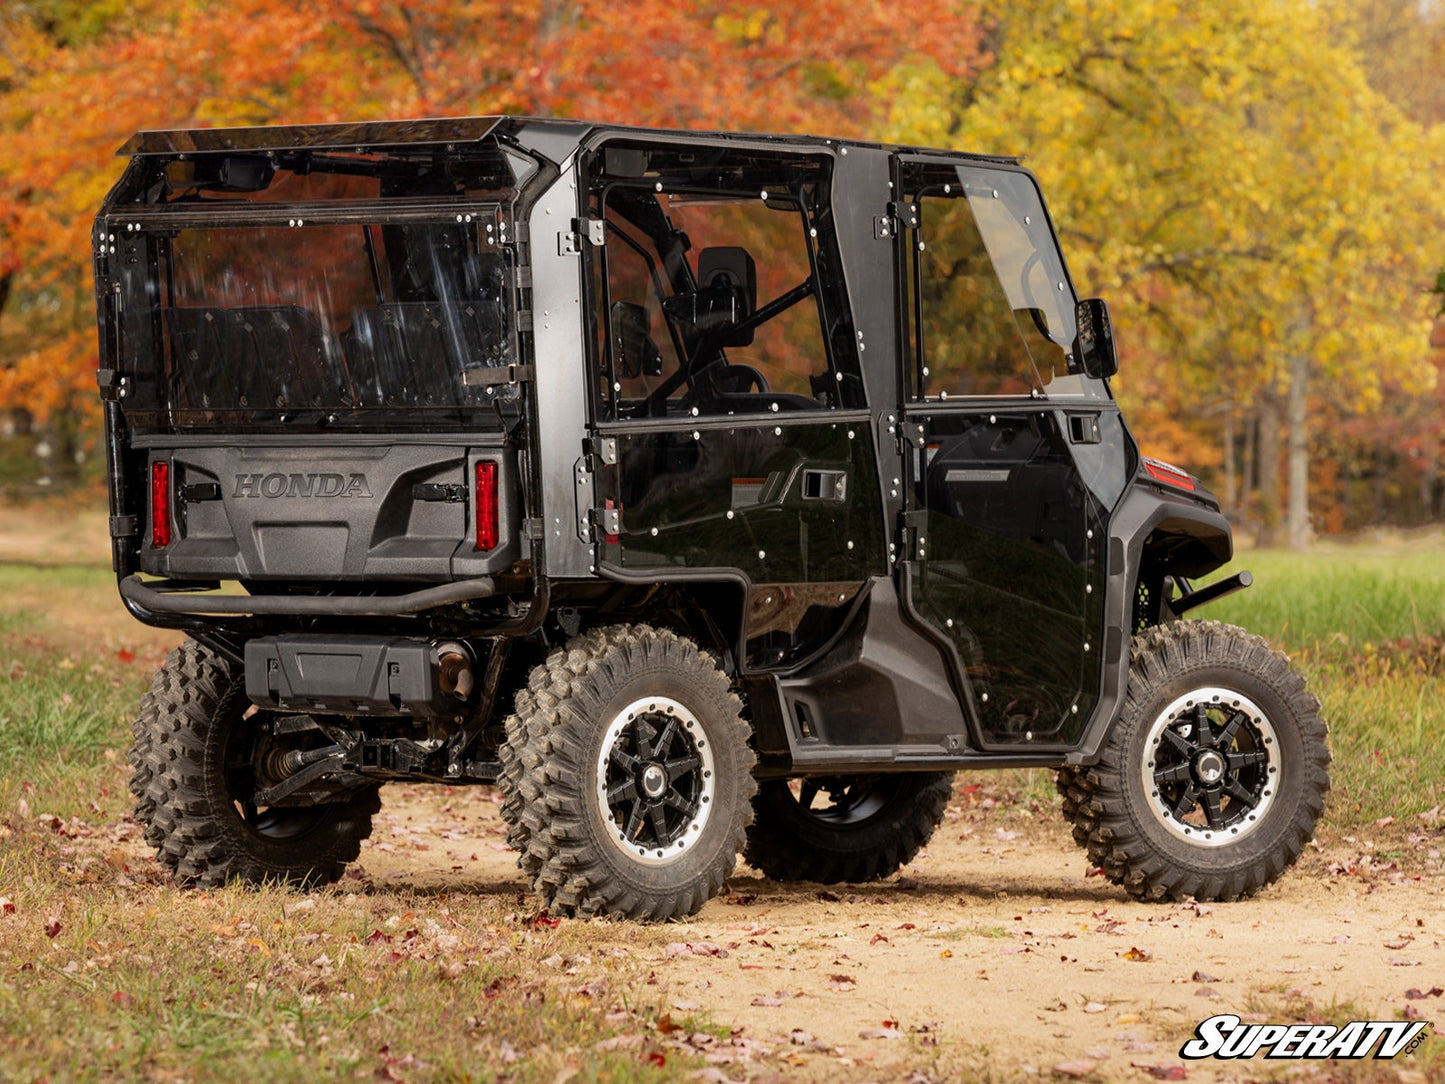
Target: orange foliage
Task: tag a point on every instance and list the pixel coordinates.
(70, 95)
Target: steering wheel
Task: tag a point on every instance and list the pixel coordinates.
(721, 377)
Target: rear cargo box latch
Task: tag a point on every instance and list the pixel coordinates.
(436, 491)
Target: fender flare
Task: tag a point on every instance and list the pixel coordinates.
(1191, 539)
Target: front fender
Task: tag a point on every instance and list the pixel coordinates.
(1153, 533)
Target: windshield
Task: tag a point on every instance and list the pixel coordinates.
(994, 308)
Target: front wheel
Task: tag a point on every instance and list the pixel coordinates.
(1215, 775)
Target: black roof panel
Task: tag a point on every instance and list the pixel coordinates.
(369, 134)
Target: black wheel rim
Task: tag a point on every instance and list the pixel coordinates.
(1211, 766)
(841, 801)
(655, 780)
(250, 757)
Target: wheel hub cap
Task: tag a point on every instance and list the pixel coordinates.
(1209, 767)
(654, 781)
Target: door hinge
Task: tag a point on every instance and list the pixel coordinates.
(915, 535)
(609, 519)
(899, 217)
(582, 492)
(591, 231)
(604, 450)
(124, 527)
(113, 386)
(905, 215)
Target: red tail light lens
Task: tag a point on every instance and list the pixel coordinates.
(1168, 472)
(486, 505)
(160, 504)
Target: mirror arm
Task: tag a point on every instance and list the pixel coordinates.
(777, 306)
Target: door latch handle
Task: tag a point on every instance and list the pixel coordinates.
(825, 485)
(1084, 429)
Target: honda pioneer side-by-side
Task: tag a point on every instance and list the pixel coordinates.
(708, 493)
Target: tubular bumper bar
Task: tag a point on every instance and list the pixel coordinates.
(1193, 597)
(132, 589)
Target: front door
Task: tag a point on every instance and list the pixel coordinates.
(1015, 458)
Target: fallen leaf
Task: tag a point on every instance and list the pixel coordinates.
(767, 1002)
(52, 928)
(6, 907)
(665, 1024)
(1416, 995)
(1203, 976)
(1173, 1071)
(881, 1033)
(1079, 1067)
(694, 948)
(1400, 961)
(1094, 1006)
(1138, 955)
(799, 1037)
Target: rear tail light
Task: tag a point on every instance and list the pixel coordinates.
(160, 504)
(486, 505)
(1168, 472)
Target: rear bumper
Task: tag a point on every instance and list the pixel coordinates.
(162, 601)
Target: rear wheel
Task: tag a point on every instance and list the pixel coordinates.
(201, 753)
(1214, 777)
(844, 828)
(626, 776)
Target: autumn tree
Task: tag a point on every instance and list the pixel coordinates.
(78, 76)
(1227, 175)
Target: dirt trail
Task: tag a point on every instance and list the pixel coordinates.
(996, 939)
(994, 947)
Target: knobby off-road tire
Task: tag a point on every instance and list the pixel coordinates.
(626, 776)
(194, 760)
(844, 828)
(1215, 775)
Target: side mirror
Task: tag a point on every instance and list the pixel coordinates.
(1094, 348)
(633, 351)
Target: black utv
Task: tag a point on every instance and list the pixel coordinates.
(708, 493)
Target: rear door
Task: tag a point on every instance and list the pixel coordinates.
(1014, 458)
(733, 441)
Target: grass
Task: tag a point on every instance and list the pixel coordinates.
(1366, 624)
(109, 972)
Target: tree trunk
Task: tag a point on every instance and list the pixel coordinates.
(1246, 473)
(1299, 453)
(1267, 451)
(1231, 494)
